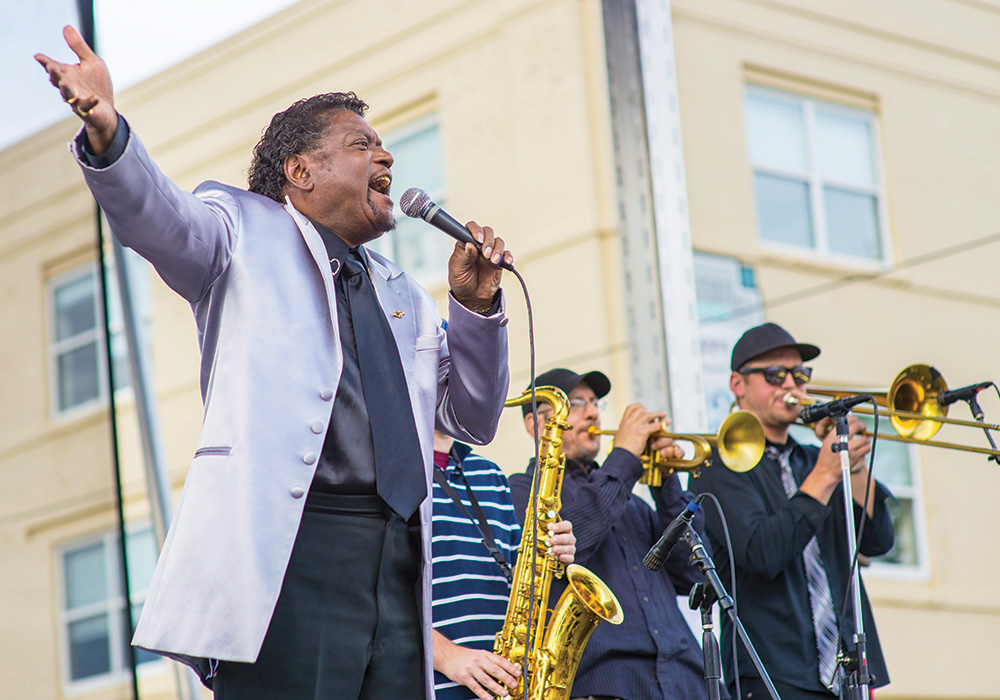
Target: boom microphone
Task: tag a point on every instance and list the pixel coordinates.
(811, 414)
(675, 530)
(950, 396)
(417, 203)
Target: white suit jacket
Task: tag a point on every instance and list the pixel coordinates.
(259, 282)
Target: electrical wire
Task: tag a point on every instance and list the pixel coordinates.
(848, 280)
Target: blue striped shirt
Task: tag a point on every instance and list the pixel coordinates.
(470, 591)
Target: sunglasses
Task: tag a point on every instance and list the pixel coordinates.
(775, 374)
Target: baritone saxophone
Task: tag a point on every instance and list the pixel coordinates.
(550, 653)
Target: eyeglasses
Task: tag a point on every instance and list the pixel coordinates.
(775, 374)
(579, 404)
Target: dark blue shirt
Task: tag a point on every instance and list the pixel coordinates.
(469, 590)
(652, 655)
(769, 531)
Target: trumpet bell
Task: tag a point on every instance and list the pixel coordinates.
(915, 390)
(741, 441)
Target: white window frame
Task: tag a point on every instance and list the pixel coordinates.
(920, 571)
(821, 249)
(57, 347)
(113, 606)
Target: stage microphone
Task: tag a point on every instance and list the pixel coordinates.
(417, 203)
(811, 414)
(950, 396)
(675, 530)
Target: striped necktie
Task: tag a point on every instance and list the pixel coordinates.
(820, 600)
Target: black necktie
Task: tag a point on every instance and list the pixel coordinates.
(399, 470)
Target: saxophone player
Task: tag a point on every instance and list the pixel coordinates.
(474, 528)
(653, 654)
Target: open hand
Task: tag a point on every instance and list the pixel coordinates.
(86, 87)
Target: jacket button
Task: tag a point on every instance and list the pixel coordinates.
(297, 492)
(317, 427)
(326, 394)
(309, 458)
(504, 321)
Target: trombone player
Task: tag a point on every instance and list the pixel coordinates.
(787, 523)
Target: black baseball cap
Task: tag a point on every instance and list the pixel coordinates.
(567, 380)
(765, 338)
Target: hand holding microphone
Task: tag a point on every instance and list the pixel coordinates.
(473, 273)
(417, 204)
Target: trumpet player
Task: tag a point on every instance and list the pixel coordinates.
(652, 655)
(787, 523)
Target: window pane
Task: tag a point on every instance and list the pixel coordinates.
(776, 134)
(86, 576)
(119, 353)
(75, 310)
(418, 160)
(844, 147)
(89, 647)
(852, 223)
(141, 559)
(78, 376)
(904, 550)
(783, 210)
(421, 250)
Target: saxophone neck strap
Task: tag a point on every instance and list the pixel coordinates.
(485, 531)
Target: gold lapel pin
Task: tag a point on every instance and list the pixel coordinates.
(398, 314)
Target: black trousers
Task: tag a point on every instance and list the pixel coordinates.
(347, 624)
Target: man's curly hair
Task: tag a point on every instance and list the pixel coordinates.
(298, 129)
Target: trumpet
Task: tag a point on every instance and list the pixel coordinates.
(740, 442)
(911, 405)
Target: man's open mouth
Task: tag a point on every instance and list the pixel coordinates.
(381, 184)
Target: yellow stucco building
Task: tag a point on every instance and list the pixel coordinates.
(838, 164)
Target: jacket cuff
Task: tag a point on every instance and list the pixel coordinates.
(82, 150)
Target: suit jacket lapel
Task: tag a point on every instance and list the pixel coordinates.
(397, 304)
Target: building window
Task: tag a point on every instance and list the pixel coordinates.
(93, 623)
(817, 177)
(76, 348)
(895, 468)
(418, 162)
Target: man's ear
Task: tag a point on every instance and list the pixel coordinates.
(736, 385)
(529, 424)
(297, 173)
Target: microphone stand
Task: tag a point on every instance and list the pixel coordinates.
(856, 665)
(977, 413)
(704, 599)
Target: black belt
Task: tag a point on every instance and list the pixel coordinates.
(365, 505)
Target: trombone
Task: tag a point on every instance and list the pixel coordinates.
(912, 408)
(740, 442)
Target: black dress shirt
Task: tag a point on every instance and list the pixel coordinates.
(769, 531)
(652, 654)
(347, 463)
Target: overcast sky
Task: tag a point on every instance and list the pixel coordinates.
(137, 38)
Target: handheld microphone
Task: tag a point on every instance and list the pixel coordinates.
(811, 414)
(675, 530)
(950, 396)
(417, 204)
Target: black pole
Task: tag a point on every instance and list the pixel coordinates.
(89, 33)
